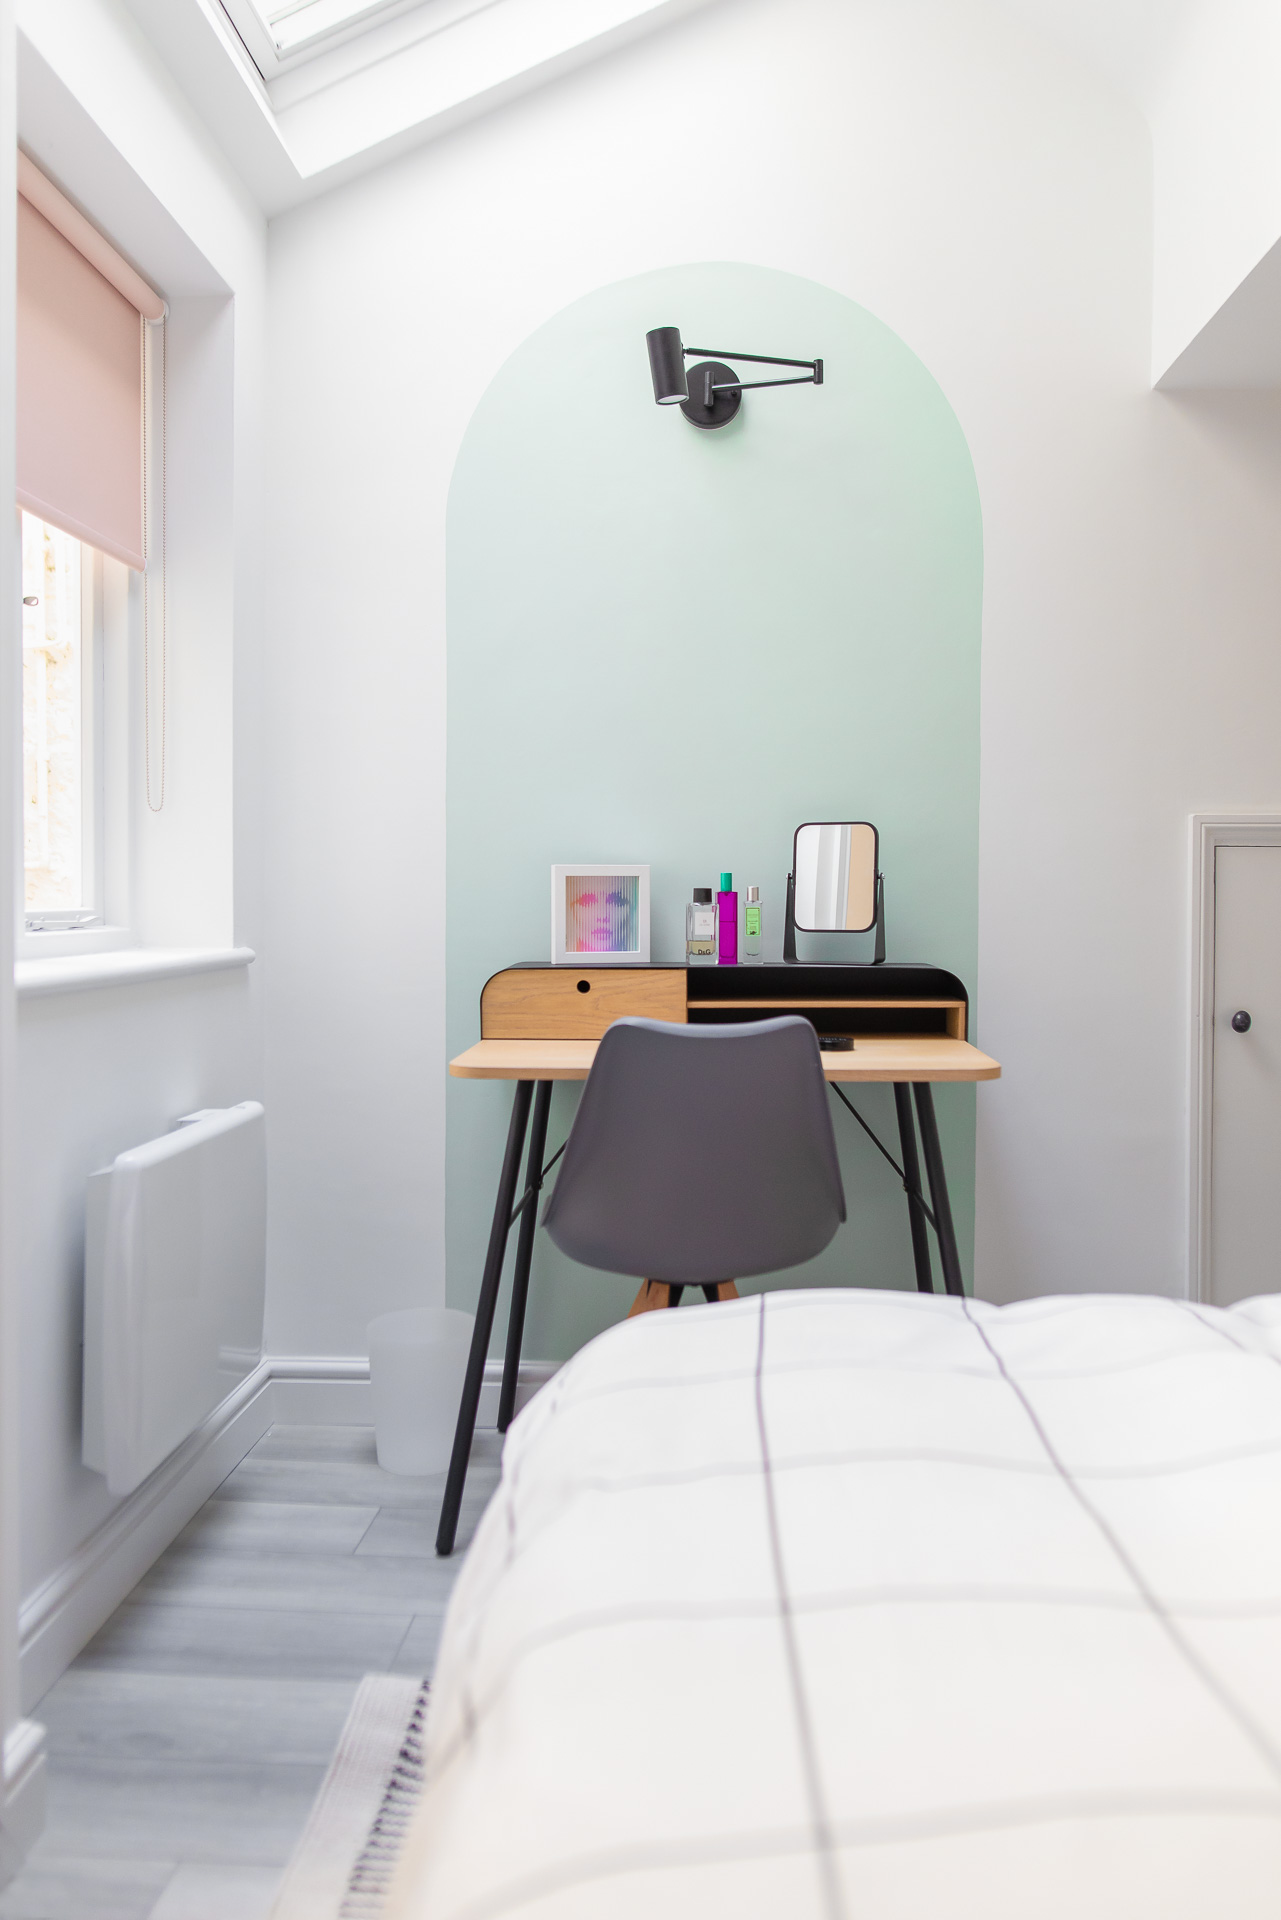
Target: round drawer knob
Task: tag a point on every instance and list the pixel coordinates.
(1241, 1022)
(585, 986)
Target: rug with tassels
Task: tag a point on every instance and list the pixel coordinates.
(343, 1864)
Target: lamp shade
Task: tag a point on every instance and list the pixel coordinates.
(667, 365)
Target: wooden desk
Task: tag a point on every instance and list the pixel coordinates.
(540, 1024)
(885, 1057)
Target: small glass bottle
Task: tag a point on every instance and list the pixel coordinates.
(727, 923)
(752, 925)
(700, 929)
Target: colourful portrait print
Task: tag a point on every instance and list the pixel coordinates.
(602, 913)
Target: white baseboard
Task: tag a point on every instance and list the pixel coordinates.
(324, 1392)
(533, 1375)
(318, 1391)
(67, 1609)
(22, 1800)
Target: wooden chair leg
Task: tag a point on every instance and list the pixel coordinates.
(652, 1295)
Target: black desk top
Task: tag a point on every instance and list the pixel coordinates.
(807, 980)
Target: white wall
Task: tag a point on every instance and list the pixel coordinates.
(1216, 135)
(100, 1071)
(991, 201)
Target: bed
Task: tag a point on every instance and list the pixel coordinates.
(873, 1606)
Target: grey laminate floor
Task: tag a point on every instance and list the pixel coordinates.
(187, 1741)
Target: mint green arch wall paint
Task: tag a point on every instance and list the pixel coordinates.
(673, 646)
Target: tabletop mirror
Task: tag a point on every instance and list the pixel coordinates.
(835, 883)
(835, 867)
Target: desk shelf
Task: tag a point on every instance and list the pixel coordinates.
(542, 1002)
(885, 999)
(841, 1016)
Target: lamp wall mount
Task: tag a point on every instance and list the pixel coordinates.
(710, 393)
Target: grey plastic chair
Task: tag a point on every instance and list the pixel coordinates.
(699, 1154)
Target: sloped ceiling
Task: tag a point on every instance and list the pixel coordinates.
(441, 61)
(410, 77)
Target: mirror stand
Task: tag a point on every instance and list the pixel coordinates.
(789, 925)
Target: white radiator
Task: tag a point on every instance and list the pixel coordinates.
(175, 1270)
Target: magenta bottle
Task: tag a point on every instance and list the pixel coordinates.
(727, 923)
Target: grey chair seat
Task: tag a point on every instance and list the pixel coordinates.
(700, 1153)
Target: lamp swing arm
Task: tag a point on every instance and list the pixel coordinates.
(741, 387)
(759, 360)
(749, 386)
(813, 378)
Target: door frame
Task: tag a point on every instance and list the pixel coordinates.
(1210, 831)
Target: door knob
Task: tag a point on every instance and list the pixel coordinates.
(1241, 1022)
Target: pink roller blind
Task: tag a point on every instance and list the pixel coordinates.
(79, 451)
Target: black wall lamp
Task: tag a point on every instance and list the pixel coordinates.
(711, 393)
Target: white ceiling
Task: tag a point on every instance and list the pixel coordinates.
(1133, 43)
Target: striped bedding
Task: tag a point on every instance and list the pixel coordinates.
(873, 1606)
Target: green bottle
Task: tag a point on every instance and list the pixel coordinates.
(752, 925)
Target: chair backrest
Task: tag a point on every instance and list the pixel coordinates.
(700, 1153)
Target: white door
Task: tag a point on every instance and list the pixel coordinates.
(1245, 1149)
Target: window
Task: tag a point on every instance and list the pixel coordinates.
(296, 22)
(274, 30)
(118, 853)
(60, 810)
(83, 317)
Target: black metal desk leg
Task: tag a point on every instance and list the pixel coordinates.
(942, 1206)
(524, 1254)
(475, 1376)
(915, 1204)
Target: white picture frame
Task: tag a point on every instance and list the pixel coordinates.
(579, 919)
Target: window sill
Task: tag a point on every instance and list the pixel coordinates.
(74, 973)
(59, 943)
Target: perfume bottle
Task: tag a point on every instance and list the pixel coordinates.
(727, 923)
(752, 924)
(700, 929)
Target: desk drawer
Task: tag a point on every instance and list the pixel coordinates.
(571, 1003)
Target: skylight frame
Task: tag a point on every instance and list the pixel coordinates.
(252, 23)
(333, 16)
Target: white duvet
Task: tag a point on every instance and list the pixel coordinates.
(873, 1606)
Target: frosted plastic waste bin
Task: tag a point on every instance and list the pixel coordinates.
(417, 1359)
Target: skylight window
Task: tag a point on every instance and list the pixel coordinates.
(434, 56)
(297, 23)
(280, 35)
